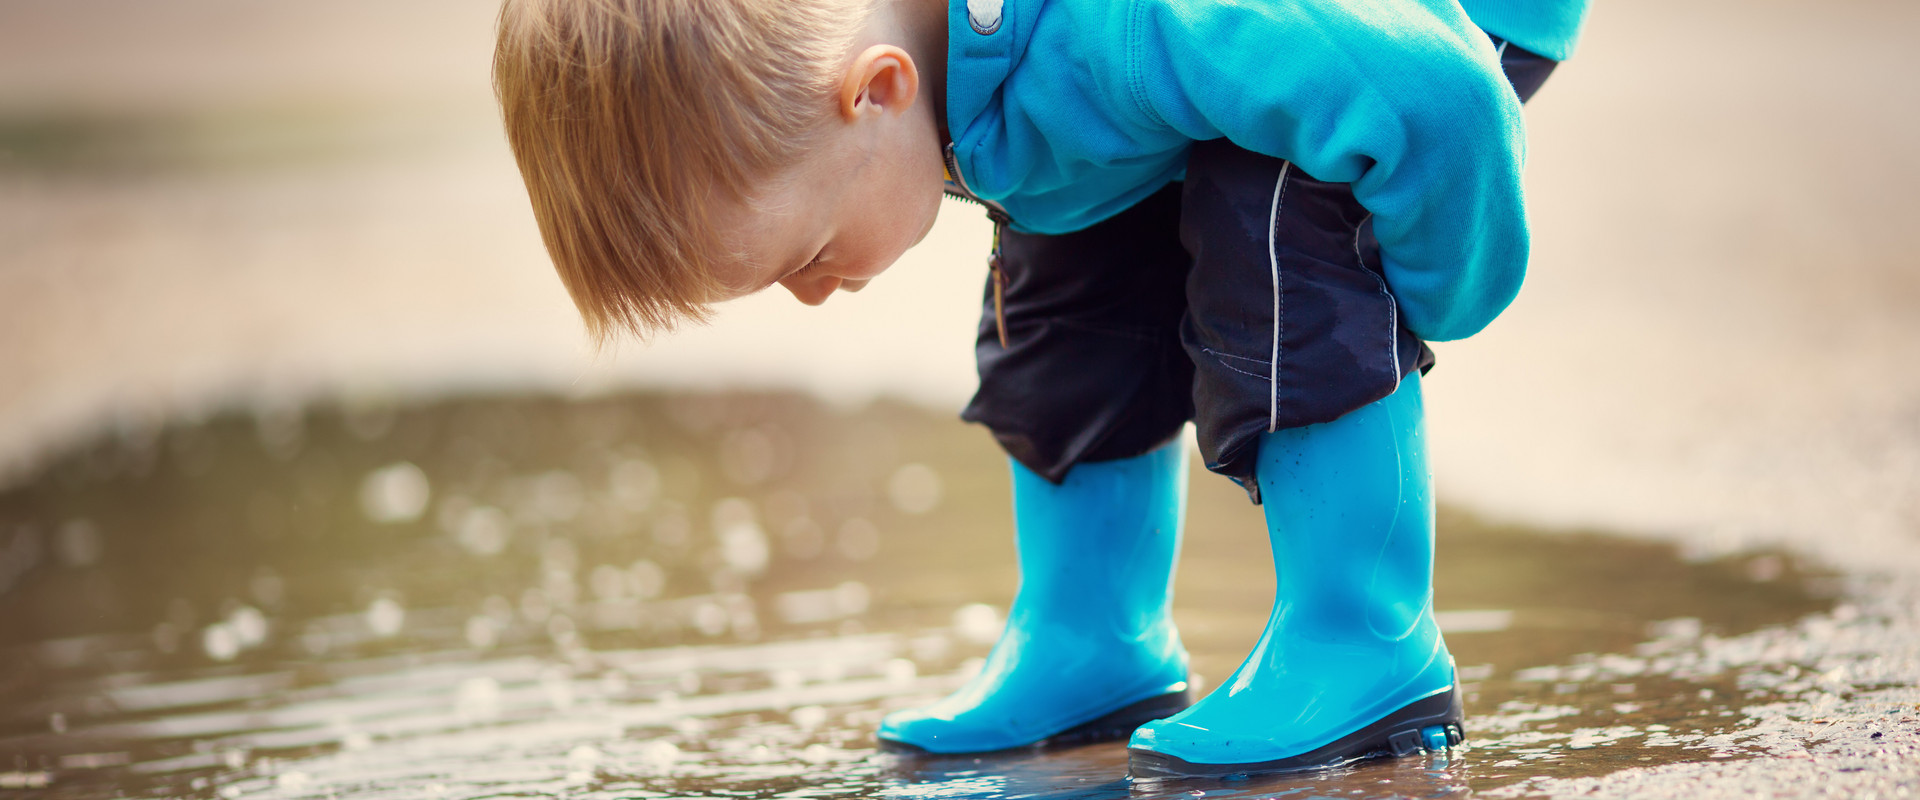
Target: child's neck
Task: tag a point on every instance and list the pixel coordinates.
(920, 27)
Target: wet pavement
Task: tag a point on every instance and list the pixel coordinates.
(700, 595)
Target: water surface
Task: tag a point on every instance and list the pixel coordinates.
(708, 595)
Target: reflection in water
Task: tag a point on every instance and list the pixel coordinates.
(701, 595)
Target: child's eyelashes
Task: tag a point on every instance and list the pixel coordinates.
(806, 268)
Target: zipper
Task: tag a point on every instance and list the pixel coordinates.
(957, 188)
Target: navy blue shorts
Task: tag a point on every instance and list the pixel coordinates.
(1176, 310)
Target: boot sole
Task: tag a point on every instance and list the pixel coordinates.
(1426, 725)
(1118, 724)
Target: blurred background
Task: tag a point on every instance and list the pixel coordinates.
(212, 208)
(213, 203)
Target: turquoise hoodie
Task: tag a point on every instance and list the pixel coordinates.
(1548, 27)
(1065, 112)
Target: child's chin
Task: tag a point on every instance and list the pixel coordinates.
(932, 217)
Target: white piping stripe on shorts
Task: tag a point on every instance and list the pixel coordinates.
(1393, 306)
(1273, 262)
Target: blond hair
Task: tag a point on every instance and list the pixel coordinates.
(631, 118)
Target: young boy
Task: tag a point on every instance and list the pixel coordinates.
(1248, 215)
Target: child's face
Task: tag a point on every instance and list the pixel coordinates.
(865, 194)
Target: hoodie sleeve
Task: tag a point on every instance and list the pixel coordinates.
(1401, 98)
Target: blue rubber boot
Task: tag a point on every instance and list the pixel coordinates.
(1089, 651)
(1351, 664)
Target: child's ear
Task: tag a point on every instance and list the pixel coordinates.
(881, 79)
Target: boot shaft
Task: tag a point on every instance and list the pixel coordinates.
(1100, 547)
(1350, 514)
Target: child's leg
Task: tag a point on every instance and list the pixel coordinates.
(1089, 650)
(1087, 398)
(1351, 663)
(1307, 391)
(1306, 387)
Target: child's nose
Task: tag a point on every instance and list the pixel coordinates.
(814, 290)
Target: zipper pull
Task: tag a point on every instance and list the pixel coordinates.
(999, 286)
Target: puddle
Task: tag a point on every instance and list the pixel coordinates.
(701, 595)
